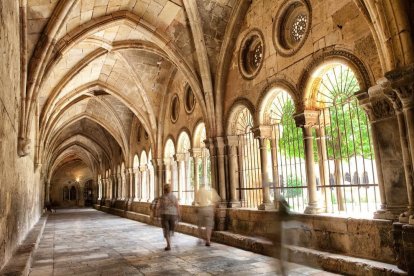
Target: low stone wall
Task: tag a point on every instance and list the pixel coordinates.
(363, 238)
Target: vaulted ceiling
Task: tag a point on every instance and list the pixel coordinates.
(93, 65)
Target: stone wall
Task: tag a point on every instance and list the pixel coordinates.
(363, 238)
(20, 203)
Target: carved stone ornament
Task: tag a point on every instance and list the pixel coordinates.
(379, 109)
(23, 146)
(402, 82)
(309, 118)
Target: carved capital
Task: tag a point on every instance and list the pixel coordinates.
(402, 82)
(23, 146)
(179, 157)
(232, 141)
(309, 118)
(262, 131)
(378, 109)
(196, 152)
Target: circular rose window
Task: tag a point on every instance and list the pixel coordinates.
(251, 54)
(291, 27)
(175, 108)
(189, 100)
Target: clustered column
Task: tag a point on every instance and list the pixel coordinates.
(196, 155)
(402, 83)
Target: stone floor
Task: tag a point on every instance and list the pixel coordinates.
(89, 242)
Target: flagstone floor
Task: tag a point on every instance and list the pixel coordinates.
(89, 242)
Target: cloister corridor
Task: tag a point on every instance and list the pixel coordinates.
(88, 242)
(238, 115)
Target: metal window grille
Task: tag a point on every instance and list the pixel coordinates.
(287, 154)
(250, 191)
(344, 148)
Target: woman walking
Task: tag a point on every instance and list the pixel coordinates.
(170, 213)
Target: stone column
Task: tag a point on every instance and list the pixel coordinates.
(389, 163)
(232, 145)
(402, 83)
(126, 185)
(275, 166)
(144, 185)
(263, 134)
(47, 192)
(158, 165)
(323, 166)
(196, 155)
(221, 167)
(214, 164)
(179, 159)
(306, 121)
(138, 187)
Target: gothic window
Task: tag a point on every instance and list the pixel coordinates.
(72, 193)
(189, 100)
(285, 154)
(250, 191)
(291, 27)
(202, 163)
(170, 171)
(251, 54)
(175, 108)
(344, 141)
(186, 193)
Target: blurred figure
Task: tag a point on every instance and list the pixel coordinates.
(206, 200)
(170, 212)
(283, 216)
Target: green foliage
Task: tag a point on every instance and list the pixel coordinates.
(346, 129)
(292, 182)
(290, 137)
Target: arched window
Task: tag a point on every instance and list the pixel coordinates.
(72, 193)
(202, 161)
(170, 171)
(136, 179)
(145, 189)
(117, 183)
(250, 191)
(186, 193)
(343, 140)
(151, 175)
(99, 186)
(285, 154)
(122, 188)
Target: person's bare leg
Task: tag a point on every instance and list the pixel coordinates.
(208, 235)
(200, 233)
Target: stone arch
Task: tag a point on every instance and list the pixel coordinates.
(322, 58)
(99, 122)
(198, 133)
(272, 93)
(240, 105)
(184, 141)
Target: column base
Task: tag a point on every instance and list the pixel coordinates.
(405, 217)
(266, 206)
(312, 210)
(411, 220)
(388, 214)
(233, 204)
